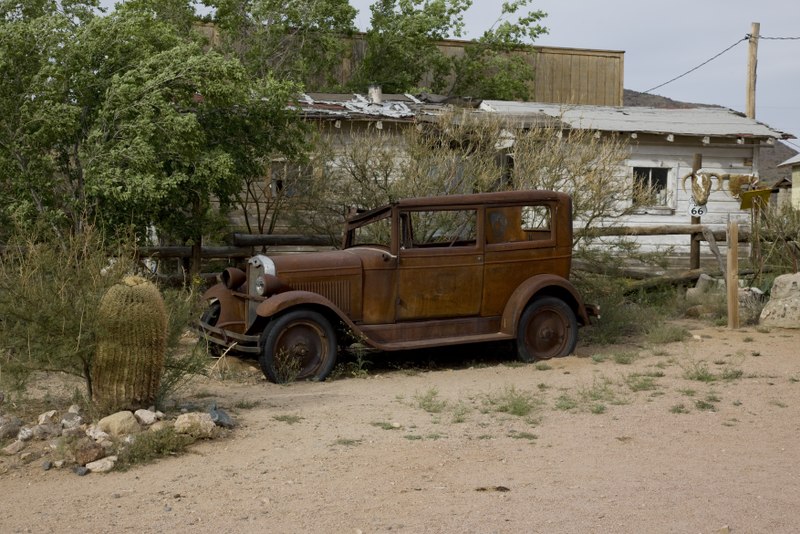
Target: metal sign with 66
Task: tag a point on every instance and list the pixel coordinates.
(696, 210)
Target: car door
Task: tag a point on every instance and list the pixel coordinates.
(440, 267)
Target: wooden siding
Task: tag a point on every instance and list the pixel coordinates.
(724, 159)
(568, 75)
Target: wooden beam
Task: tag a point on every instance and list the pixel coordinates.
(732, 280)
(694, 244)
(281, 240)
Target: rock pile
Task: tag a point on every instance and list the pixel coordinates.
(69, 440)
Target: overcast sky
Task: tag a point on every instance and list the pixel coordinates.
(665, 39)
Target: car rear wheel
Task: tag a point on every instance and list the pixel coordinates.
(547, 329)
(298, 345)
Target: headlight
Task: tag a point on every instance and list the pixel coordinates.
(261, 286)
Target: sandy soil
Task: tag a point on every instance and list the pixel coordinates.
(609, 446)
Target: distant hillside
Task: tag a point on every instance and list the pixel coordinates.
(637, 99)
(770, 158)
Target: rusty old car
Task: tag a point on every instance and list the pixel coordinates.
(421, 272)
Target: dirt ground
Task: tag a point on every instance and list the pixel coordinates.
(617, 439)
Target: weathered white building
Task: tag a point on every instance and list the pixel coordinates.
(663, 144)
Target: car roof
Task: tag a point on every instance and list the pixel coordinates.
(501, 197)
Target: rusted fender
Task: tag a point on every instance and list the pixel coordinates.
(544, 285)
(283, 301)
(217, 291)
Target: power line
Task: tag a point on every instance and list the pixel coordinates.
(745, 38)
(779, 38)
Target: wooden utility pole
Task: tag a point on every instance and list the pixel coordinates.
(752, 64)
(694, 244)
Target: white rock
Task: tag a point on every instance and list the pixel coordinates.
(71, 420)
(198, 425)
(119, 424)
(145, 417)
(47, 417)
(25, 434)
(96, 434)
(103, 465)
(14, 447)
(783, 308)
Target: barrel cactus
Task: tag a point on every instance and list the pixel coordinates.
(132, 339)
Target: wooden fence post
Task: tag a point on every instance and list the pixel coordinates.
(694, 243)
(732, 280)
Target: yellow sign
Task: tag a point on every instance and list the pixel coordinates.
(749, 198)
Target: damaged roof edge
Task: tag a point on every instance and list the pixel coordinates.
(697, 122)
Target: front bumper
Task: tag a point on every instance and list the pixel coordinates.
(232, 341)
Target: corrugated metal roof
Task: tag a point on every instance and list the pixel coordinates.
(714, 122)
(791, 161)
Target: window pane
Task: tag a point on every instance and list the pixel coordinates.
(443, 228)
(376, 233)
(651, 185)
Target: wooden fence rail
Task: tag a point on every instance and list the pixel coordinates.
(242, 244)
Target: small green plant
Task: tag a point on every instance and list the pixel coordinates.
(288, 419)
(346, 442)
(460, 411)
(287, 367)
(704, 405)
(599, 358)
(624, 358)
(599, 391)
(748, 339)
(598, 409)
(688, 392)
(679, 408)
(730, 373)
(385, 425)
(659, 333)
(699, 371)
(523, 435)
(638, 382)
(412, 437)
(566, 402)
(430, 401)
(513, 402)
(779, 404)
(358, 368)
(149, 446)
(542, 366)
(246, 404)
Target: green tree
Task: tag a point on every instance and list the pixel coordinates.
(299, 40)
(497, 65)
(402, 52)
(175, 137)
(127, 119)
(401, 42)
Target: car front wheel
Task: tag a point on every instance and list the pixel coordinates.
(298, 345)
(547, 329)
